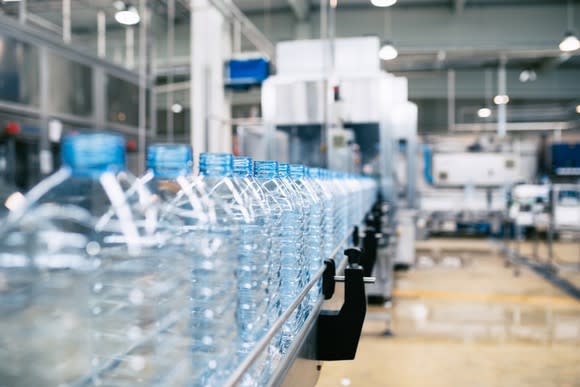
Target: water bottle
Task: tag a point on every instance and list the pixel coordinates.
(328, 240)
(223, 256)
(193, 272)
(44, 293)
(291, 245)
(80, 262)
(313, 229)
(254, 269)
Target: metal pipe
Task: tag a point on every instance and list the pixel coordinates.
(130, 45)
(142, 131)
(22, 12)
(170, 54)
(366, 280)
(66, 21)
(451, 99)
(101, 34)
(501, 90)
(261, 345)
(45, 156)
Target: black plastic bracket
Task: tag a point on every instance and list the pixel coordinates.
(370, 251)
(355, 236)
(328, 281)
(338, 332)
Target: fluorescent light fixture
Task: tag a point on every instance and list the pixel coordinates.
(569, 43)
(388, 52)
(176, 108)
(383, 3)
(501, 99)
(484, 112)
(128, 15)
(11, 1)
(578, 109)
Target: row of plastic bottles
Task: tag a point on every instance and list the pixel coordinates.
(169, 279)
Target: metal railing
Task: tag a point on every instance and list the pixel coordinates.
(262, 345)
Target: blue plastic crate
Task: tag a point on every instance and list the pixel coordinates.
(247, 72)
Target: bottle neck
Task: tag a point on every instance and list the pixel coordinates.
(216, 164)
(266, 169)
(168, 161)
(296, 171)
(283, 170)
(243, 167)
(92, 154)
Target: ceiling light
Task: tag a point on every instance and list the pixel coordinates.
(126, 15)
(176, 108)
(388, 52)
(10, 1)
(383, 3)
(578, 109)
(15, 201)
(528, 75)
(484, 112)
(501, 99)
(569, 43)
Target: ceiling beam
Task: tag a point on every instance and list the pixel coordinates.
(301, 8)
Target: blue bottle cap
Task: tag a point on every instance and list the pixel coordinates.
(297, 171)
(168, 161)
(313, 173)
(266, 169)
(283, 170)
(93, 153)
(243, 166)
(216, 164)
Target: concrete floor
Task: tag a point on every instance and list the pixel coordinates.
(461, 318)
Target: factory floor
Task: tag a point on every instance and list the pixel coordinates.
(462, 318)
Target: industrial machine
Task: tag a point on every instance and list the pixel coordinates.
(465, 184)
(344, 114)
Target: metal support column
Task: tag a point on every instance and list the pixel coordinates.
(66, 21)
(501, 108)
(170, 54)
(101, 34)
(99, 97)
(209, 107)
(22, 11)
(143, 81)
(451, 100)
(45, 156)
(130, 45)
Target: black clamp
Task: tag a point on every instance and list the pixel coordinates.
(355, 236)
(328, 281)
(370, 250)
(338, 332)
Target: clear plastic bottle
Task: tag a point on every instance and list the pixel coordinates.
(254, 268)
(87, 239)
(218, 355)
(328, 235)
(313, 246)
(291, 228)
(170, 176)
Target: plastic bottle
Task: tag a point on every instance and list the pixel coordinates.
(222, 258)
(82, 259)
(291, 239)
(254, 268)
(314, 176)
(313, 246)
(194, 269)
